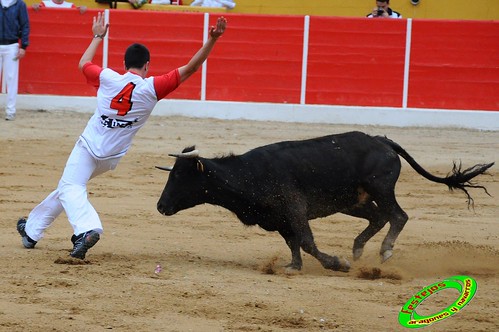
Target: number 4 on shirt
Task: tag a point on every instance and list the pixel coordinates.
(122, 102)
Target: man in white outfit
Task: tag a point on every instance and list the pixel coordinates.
(124, 103)
(14, 25)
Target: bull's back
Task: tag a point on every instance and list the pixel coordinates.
(321, 170)
(324, 155)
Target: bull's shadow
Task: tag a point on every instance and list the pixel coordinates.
(281, 186)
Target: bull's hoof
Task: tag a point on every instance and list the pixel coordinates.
(386, 255)
(344, 266)
(293, 267)
(338, 264)
(357, 253)
(289, 270)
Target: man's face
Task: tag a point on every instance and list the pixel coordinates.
(382, 4)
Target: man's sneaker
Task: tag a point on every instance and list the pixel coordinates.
(10, 117)
(83, 242)
(27, 241)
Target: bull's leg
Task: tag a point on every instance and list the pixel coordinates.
(294, 244)
(397, 218)
(308, 245)
(327, 261)
(370, 212)
(360, 241)
(380, 186)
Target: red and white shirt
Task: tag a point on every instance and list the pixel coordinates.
(124, 103)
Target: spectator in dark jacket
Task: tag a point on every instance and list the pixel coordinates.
(14, 26)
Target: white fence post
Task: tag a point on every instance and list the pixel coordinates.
(306, 30)
(206, 30)
(408, 37)
(105, 46)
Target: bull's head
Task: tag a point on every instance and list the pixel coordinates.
(184, 188)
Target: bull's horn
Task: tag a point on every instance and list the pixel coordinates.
(190, 154)
(165, 168)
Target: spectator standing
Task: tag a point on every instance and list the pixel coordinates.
(14, 26)
(383, 10)
(214, 3)
(58, 4)
(124, 103)
(139, 3)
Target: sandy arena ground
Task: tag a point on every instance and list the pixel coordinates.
(218, 275)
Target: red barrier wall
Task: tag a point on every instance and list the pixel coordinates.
(258, 60)
(351, 61)
(58, 38)
(455, 65)
(356, 62)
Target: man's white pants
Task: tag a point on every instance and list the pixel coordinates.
(10, 70)
(71, 195)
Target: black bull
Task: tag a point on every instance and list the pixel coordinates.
(282, 186)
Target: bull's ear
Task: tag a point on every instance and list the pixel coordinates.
(165, 168)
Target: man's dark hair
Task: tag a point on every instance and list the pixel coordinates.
(136, 56)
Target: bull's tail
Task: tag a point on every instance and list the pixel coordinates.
(457, 179)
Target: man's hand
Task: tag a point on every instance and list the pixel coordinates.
(99, 27)
(216, 32)
(197, 60)
(20, 54)
(375, 12)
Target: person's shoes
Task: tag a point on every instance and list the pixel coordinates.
(83, 242)
(27, 241)
(10, 117)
